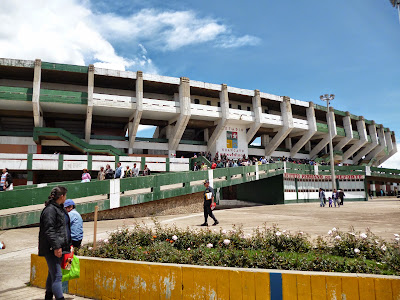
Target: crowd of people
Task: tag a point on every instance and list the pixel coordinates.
(222, 161)
(336, 199)
(120, 172)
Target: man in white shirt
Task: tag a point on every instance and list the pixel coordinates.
(135, 171)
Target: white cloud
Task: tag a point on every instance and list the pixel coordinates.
(68, 31)
(172, 30)
(394, 161)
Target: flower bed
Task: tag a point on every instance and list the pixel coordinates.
(268, 248)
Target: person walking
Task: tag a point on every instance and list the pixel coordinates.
(335, 198)
(109, 174)
(118, 171)
(322, 198)
(102, 174)
(341, 196)
(54, 239)
(128, 172)
(86, 176)
(208, 202)
(135, 171)
(76, 223)
(6, 181)
(146, 171)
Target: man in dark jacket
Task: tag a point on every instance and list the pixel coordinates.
(341, 196)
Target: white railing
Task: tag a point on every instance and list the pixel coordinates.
(205, 110)
(19, 162)
(161, 105)
(113, 100)
(299, 123)
(271, 119)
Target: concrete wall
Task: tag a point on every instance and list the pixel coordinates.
(118, 279)
(182, 204)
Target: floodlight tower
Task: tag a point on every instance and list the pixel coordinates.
(328, 98)
(396, 4)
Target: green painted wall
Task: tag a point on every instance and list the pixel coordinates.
(16, 93)
(265, 191)
(64, 67)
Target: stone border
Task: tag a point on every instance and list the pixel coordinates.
(119, 279)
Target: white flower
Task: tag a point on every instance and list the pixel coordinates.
(284, 231)
(188, 249)
(90, 248)
(301, 232)
(223, 231)
(330, 232)
(356, 250)
(233, 231)
(383, 248)
(209, 245)
(376, 242)
(174, 237)
(397, 239)
(278, 233)
(363, 235)
(227, 242)
(396, 235)
(338, 237)
(334, 229)
(106, 241)
(352, 233)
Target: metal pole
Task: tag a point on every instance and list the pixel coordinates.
(96, 209)
(331, 151)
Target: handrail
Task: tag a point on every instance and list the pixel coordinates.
(73, 140)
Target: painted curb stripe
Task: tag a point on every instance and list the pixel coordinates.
(276, 286)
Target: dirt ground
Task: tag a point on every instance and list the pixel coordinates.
(381, 215)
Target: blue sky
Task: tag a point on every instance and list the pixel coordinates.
(299, 49)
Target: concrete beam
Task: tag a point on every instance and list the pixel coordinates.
(348, 128)
(89, 109)
(362, 131)
(134, 119)
(257, 109)
(377, 152)
(37, 110)
(330, 118)
(224, 101)
(369, 146)
(312, 124)
(181, 123)
(283, 132)
(392, 152)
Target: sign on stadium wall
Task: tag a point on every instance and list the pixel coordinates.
(232, 142)
(323, 177)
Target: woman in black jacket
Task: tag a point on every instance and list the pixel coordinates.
(54, 239)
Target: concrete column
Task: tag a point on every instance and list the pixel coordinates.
(308, 146)
(206, 135)
(37, 110)
(184, 117)
(283, 132)
(362, 131)
(134, 119)
(330, 118)
(257, 109)
(372, 188)
(312, 129)
(288, 143)
(89, 109)
(224, 101)
(369, 146)
(348, 128)
(265, 140)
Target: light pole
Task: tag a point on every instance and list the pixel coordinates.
(329, 98)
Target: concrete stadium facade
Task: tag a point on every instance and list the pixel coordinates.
(100, 106)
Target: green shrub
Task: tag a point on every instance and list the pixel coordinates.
(267, 247)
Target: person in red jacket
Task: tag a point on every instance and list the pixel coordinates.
(214, 165)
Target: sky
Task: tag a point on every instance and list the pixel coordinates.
(300, 49)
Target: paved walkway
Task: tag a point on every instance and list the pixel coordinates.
(380, 215)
